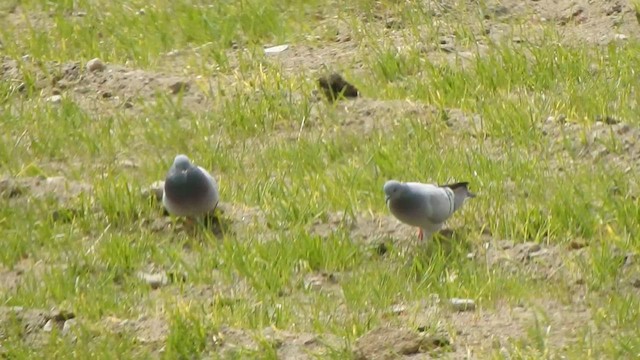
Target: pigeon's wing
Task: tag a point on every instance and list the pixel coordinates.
(461, 192)
(213, 181)
(440, 202)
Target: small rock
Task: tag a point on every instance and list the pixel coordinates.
(160, 224)
(527, 248)
(48, 327)
(155, 190)
(130, 164)
(276, 49)
(398, 309)
(55, 99)
(154, 280)
(620, 37)
(95, 65)
(127, 105)
(68, 325)
(462, 304)
(560, 118)
(179, 86)
(393, 23)
(448, 48)
(106, 94)
(538, 253)
(636, 283)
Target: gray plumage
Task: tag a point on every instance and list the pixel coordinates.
(426, 206)
(189, 190)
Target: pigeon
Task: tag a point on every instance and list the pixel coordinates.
(426, 206)
(189, 190)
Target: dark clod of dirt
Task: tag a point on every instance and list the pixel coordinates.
(382, 248)
(607, 119)
(179, 86)
(61, 315)
(9, 188)
(335, 87)
(577, 244)
(526, 249)
(436, 341)
(65, 215)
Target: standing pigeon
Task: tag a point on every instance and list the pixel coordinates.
(189, 190)
(426, 206)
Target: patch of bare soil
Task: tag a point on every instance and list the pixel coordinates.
(56, 187)
(388, 342)
(460, 333)
(31, 325)
(288, 345)
(146, 329)
(227, 342)
(608, 141)
(109, 89)
(11, 278)
(597, 22)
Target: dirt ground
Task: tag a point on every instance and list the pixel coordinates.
(119, 88)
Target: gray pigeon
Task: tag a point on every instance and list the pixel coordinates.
(189, 190)
(426, 206)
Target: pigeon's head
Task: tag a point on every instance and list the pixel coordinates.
(394, 189)
(182, 162)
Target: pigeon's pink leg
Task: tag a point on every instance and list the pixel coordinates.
(420, 234)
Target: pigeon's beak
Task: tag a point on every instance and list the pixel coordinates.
(386, 199)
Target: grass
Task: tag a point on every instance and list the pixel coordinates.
(272, 147)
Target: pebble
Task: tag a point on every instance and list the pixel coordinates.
(126, 163)
(48, 327)
(55, 99)
(68, 325)
(398, 309)
(154, 280)
(96, 64)
(462, 304)
(276, 49)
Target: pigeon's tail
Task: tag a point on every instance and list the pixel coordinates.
(461, 192)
